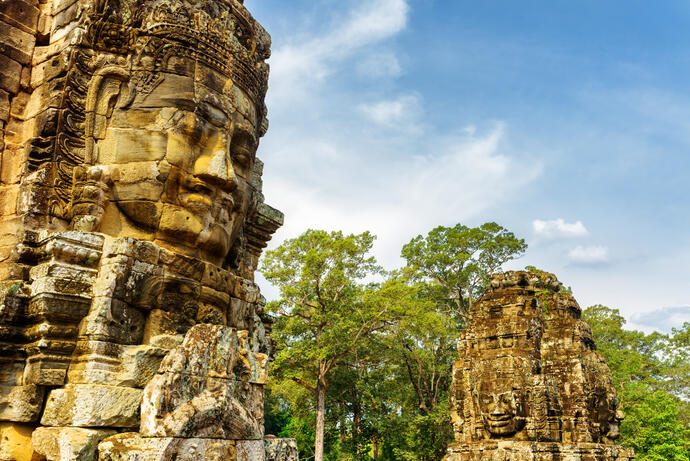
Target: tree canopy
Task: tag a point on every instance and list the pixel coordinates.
(460, 259)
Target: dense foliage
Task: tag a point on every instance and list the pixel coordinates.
(379, 348)
(653, 383)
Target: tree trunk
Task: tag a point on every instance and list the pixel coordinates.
(375, 443)
(356, 422)
(343, 427)
(320, 419)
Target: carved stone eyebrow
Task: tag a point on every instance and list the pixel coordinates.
(213, 114)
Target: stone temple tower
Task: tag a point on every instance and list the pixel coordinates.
(529, 384)
(131, 223)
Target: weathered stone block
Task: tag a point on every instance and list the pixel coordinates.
(179, 405)
(21, 403)
(16, 43)
(12, 164)
(133, 447)
(15, 442)
(278, 449)
(68, 443)
(8, 200)
(113, 320)
(20, 14)
(92, 405)
(10, 74)
(47, 362)
(4, 104)
(250, 450)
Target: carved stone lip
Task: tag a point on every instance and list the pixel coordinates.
(500, 420)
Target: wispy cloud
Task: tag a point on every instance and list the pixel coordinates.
(399, 111)
(558, 228)
(379, 65)
(663, 320)
(589, 255)
(312, 58)
(406, 196)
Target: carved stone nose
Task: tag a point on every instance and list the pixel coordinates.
(216, 169)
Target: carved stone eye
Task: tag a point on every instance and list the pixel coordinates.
(242, 148)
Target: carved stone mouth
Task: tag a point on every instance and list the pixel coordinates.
(500, 420)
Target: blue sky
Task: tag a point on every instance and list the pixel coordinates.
(566, 122)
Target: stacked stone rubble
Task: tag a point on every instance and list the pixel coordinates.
(529, 384)
(131, 222)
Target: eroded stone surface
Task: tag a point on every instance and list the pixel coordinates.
(15, 442)
(68, 443)
(133, 447)
(203, 390)
(529, 383)
(280, 449)
(92, 405)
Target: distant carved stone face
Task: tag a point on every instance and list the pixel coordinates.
(607, 416)
(180, 159)
(502, 405)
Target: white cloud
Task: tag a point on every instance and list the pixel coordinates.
(457, 179)
(663, 320)
(559, 228)
(402, 110)
(589, 255)
(312, 58)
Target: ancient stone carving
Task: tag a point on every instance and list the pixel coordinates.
(131, 223)
(529, 383)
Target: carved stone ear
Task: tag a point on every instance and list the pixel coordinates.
(104, 89)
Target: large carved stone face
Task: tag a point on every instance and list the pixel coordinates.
(605, 414)
(179, 159)
(502, 405)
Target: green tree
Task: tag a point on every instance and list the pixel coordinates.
(447, 269)
(325, 311)
(650, 373)
(460, 259)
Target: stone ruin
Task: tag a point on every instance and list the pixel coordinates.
(131, 223)
(529, 384)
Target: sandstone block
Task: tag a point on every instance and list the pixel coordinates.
(102, 362)
(133, 447)
(21, 403)
(178, 405)
(16, 43)
(145, 252)
(10, 74)
(250, 450)
(68, 443)
(113, 320)
(92, 405)
(20, 14)
(15, 443)
(4, 104)
(278, 449)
